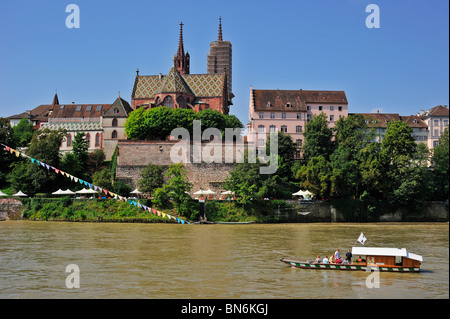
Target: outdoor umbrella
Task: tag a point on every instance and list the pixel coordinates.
(19, 193)
(305, 194)
(227, 193)
(200, 192)
(83, 191)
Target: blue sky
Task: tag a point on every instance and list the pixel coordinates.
(402, 67)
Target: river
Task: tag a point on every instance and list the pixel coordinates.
(174, 261)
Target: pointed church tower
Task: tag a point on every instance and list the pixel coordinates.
(181, 60)
(219, 58)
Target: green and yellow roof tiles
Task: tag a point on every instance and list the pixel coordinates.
(197, 84)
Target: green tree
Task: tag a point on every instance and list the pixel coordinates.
(183, 118)
(440, 160)
(5, 158)
(151, 178)
(244, 180)
(177, 185)
(286, 148)
(80, 149)
(102, 179)
(135, 127)
(44, 147)
(398, 151)
(316, 177)
(22, 133)
(211, 118)
(318, 138)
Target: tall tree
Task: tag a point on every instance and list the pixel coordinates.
(80, 149)
(22, 133)
(177, 185)
(318, 138)
(151, 178)
(440, 160)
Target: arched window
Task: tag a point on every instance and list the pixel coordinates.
(168, 101)
(114, 122)
(180, 102)
(114, 134)
(88, 140)
(158, 101)
(97, 139)
(69, 140)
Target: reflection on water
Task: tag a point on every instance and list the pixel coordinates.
(210, 261)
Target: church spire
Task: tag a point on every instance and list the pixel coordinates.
(219, 38)
(181, 61)
(180, 51)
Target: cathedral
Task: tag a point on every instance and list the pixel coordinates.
(181, 89)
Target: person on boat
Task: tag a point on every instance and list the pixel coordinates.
(338, 261)
(348, 256)
(325, 260)
(359, 258)
(331, 259)
(317, 261)
(337, 255)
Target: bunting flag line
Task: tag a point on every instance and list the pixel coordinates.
(101, 190)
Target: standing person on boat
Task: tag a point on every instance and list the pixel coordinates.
(348, 256)
(337, 255)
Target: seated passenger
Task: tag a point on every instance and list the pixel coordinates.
(317, 261)
(325, 260)
(338, 261)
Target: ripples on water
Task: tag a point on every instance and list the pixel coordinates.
(210, 261)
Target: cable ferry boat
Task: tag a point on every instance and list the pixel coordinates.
(385, 259)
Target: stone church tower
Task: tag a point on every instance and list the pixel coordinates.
(181, 60)
(219, 58)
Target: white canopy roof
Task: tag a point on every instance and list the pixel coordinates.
(303, 193)
(20, 193)
(136, 191)
(379, 251)
(86, 191)
(3, 194)
(59, 192)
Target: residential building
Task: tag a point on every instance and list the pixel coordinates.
(427, 126)
(288, 111)
(437, 119)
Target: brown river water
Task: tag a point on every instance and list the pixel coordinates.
(174, 261)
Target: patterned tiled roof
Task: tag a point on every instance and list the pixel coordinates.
(120, 108)
(200, 85)
(174, 82)
(76, 126)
